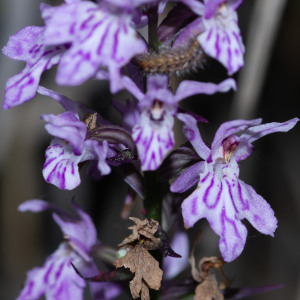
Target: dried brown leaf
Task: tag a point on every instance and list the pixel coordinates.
(90, 121)
(208, 289)
(143, 231)
(206, 263)
(146, 269)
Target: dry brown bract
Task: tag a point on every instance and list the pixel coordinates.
(90, 121)
(139, 260)
(208, 289)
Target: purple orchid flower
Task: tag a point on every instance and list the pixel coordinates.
(57, 279)
(100, 36)
(221, 197)
(217, 31)
(70, 146)
(28, 45)
(153, 134)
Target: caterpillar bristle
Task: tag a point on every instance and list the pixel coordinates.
(180, 60)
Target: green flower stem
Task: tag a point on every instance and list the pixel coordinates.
(153, 188)
(152, 29)
(153, 196)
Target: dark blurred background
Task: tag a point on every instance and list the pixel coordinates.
(268, 87)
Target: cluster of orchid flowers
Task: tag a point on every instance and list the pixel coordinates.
(100, 40)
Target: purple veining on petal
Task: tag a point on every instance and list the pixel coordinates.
(231, 222)
(63, 178)
(103, 39)
(245, 204)
(85, 23)
(137, 140)
(73, 168)
(161, 155)
(152, 159)
(58, 273)
(59, 291)
(238, 39)
(147, 144)
(217, 46)
(216, 201)
(194, 206)
(72, 28)
(46, 277)
(115, 44)
(208, 190)
(209, 34)
(230, 194)
(229, 65)
(48, 162)
(29, 287)
(205, 177)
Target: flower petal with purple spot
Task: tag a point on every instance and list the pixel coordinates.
(153, 140)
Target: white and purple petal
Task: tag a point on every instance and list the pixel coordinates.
(222, 38)
(254, 208)
(102, 152)
(68, 127)
(227, 129)
(189, 88)
(56, 279)
(23, 86)
(154, 139)
(65, 102)
(80, 232)
(253, 133)
(256, 132)
(191, 131)
(98, 39)
(61, 165)
(213, 200)
(188, 178)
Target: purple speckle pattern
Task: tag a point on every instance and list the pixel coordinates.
(222, 38)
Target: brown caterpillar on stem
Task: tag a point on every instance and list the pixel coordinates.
(179, 60)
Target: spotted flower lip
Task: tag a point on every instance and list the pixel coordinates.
(153, 134)
(70, 145)
(217, 31)
(99, 37)
(28, 45)
(221, 197)
(57, 279)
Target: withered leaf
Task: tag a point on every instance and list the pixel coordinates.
(208, 289)
(90, 121)
(146, 269)
(206, 263)
(144, 231)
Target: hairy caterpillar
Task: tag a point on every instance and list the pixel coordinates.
(179, 60)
